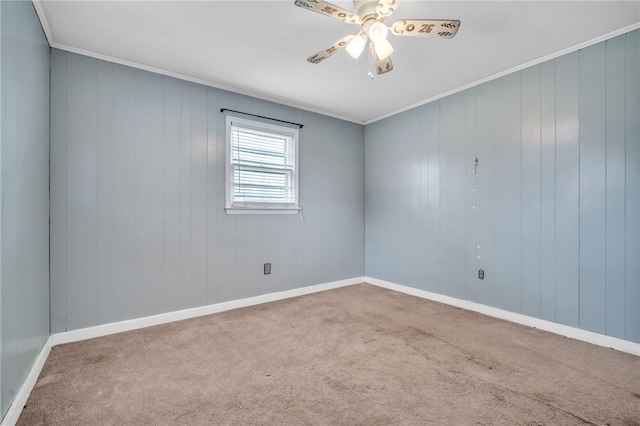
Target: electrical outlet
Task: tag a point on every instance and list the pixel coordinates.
(267, 268)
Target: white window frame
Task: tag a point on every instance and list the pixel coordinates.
(235, 207)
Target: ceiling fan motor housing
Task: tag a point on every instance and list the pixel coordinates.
(373, 9)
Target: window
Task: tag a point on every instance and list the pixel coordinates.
(262, 168)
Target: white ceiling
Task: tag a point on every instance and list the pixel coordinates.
(260, 47)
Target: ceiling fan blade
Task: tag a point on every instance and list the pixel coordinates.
(329, 9)
(383, 66)
(385, 8)
(439, 28)
(325, 53)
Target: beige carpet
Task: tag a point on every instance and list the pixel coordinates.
(359, 355)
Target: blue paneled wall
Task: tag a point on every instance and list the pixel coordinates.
(551, 212)
(138, 225)
(24, 191)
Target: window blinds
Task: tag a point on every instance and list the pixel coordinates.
(263, 167)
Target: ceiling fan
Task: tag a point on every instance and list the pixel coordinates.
(370, 15)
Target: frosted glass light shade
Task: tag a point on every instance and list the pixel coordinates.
(377, 32)
(356, 46)
(383, 49)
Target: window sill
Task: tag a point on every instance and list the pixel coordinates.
(261, 211)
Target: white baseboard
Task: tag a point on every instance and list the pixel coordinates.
(102, 330)
(117, 327)
(563, 330)
(11, 418)
(134, 324)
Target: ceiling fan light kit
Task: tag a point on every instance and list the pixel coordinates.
(383, 49)
(356, 46)
(377, 31)
(370, 15)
